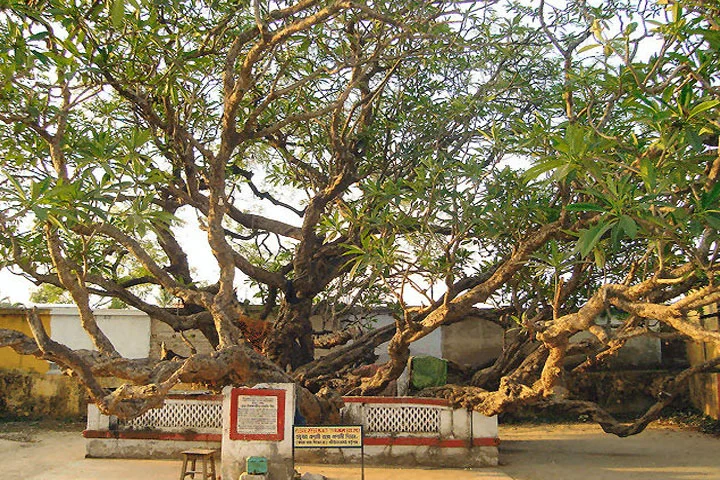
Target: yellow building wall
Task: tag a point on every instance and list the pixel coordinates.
(35, 395)
(705, 387)
(14, 319)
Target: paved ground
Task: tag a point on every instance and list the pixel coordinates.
(371, 473)
(583, 451)
(60, 456)
(557, 452)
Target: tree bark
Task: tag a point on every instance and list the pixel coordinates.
(290, 342)
(362, 351)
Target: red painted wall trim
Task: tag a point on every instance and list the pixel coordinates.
(216, 437)
(431, 442)
(486, 442)
(137, 435)
(411, 400)
(280, 422)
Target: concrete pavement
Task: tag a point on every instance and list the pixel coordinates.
(115, 469)
(61, 456)
(375, 473)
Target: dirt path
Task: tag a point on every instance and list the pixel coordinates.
(585, 452)
(51, 455)
(32, 451)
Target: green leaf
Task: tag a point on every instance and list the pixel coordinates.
(543, 167)
(713, 219)
(40, 213)
(710, 199)
(592, 236)
(41, 57)
(628, 225)
(38, 36)
(677, 12)
(117, 13)
(589, 47)
(584, 207)
(600, 258)
(648, 172)
(684, 97)
(712, 37)
(575, 138)
(694, 139)
(701, 107)
(39, 188)
(16, 184)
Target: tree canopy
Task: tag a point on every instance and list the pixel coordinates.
(534, 164)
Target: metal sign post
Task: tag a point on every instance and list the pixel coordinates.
(330, 436)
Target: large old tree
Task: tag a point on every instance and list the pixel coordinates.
(537, 165)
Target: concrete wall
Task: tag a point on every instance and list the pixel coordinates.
(463, 439)
(278, 451)
(128, 330)
(161, 332)
(429, 345)
(705, 393)
(703, 351)
(34, 395)
(460, 439)
(705, 387)
(14, 319)
(638, 353)
(472, 342)
(104, 439)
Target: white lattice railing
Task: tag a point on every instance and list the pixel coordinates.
(395, 419)
(202, 414)
(398, 416)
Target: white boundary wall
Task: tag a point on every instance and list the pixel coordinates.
(408, 431)
(127, 329)
(186, 421)
(403, 431)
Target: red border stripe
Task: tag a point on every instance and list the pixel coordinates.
(369, 441)
(135, 435)
(260, 392)
(409, 400)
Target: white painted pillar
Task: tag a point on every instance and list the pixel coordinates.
(257, 422)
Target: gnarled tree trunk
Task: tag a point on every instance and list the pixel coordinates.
(290, 342)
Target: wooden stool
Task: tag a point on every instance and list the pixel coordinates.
(192, 456)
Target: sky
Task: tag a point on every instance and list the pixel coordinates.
(15, 288)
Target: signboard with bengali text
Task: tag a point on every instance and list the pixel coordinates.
(327, 436)
(257, 414)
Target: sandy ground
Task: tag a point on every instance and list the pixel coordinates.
(528, 452)
(61, 455)
(583, 451)
(38, 453)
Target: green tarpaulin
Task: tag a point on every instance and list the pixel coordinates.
(426, 371)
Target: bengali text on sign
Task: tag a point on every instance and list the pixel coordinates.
(345, 436)
(257, 414)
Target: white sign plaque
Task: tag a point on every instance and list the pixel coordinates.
(257, 415)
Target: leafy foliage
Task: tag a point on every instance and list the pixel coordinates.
(544, 162)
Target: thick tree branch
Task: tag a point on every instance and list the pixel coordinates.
(72, 280)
